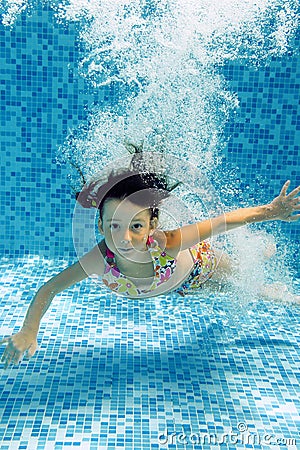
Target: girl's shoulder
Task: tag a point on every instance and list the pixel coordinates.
(93, 262)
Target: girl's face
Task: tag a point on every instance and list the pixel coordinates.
(126, 227)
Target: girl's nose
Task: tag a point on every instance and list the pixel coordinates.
(127, 236)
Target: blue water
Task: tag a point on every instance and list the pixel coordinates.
(112, 372)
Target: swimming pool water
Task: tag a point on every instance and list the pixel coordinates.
(112, 372)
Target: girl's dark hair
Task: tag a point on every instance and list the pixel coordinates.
(145, 189)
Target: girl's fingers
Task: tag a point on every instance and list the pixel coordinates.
(17, 357)
(5, 355)
(10, 354)
(14, 356)
(293, 218)
(3, 358)
(8, 358)
(31, 351)
(285, 187)
(294, 192)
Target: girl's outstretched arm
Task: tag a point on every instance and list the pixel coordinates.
(282, 207)
(26, 338)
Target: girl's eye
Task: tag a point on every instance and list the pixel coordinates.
(136, 226)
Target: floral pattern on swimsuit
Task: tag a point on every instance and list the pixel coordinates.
(204, 266)
(163, 264)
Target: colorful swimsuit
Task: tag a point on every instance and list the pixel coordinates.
(164, 266)
(204, 266)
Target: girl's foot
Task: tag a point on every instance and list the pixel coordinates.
(279, 291)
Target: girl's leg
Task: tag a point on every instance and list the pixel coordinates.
(220, 279)
(226, 269)
(278, 291)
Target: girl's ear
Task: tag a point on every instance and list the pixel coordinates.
(100, 228)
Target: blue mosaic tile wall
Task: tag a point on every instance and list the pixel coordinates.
(42, 97)
(264, 141)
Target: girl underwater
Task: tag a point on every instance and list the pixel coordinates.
(135, 258)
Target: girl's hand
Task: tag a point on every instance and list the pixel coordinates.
(17, 345)
(283, 206)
